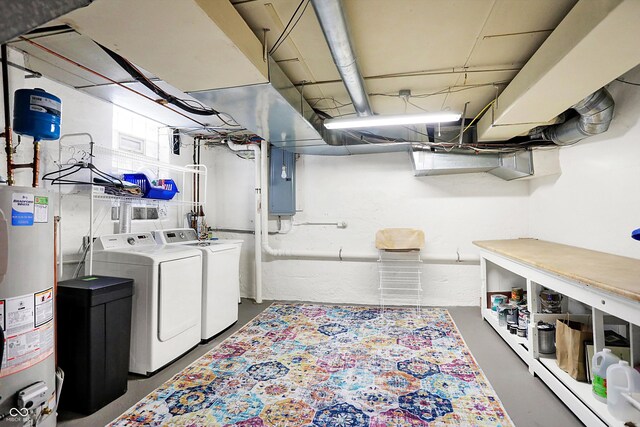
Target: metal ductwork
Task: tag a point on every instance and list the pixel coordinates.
(595, 113)
(277, 112)
(333, 22)
(507, 166)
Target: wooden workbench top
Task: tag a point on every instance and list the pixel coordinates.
(616, 274)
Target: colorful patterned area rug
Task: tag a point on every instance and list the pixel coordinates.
(325, 366)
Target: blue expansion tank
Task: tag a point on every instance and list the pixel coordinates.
(36, 113)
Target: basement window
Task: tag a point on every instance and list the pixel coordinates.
(131, 144)
(136, 134)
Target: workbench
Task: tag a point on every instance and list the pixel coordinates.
(599, 288)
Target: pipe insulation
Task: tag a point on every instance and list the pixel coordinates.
(333, 22)
(595, 113)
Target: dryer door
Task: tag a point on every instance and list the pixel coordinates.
(180, 298)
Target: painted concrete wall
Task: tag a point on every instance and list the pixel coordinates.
(594, 203)
(371, 192)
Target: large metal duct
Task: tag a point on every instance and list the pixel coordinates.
(334, 26)
(595, 113)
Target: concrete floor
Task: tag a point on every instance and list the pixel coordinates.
(527, 400)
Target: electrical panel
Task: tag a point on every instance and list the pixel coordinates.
(282, 182)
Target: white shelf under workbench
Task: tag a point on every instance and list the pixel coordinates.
(609, 284)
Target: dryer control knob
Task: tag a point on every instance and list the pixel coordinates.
(131, 241)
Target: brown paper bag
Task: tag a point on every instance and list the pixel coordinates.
(570, 338)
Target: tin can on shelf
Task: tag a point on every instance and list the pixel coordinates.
(517, 294)
(523, 317)
(497, 300)
(512, 314)
(522, 332)
(546, 338)
(550, 301)
(502, 315)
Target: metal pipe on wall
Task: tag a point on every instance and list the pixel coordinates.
(8, 133)
(257, 214)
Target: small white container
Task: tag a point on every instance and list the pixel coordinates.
(599, 363)
(622, 378)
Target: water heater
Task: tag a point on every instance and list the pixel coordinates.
(27, 370)
(36, 113)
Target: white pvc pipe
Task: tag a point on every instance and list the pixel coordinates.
(256, 219)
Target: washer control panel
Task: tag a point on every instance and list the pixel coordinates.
(181, 235)
(118, 241)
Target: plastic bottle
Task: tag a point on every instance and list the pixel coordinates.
(622, 378)
(599, 364)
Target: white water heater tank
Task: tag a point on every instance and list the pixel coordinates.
(27, 307)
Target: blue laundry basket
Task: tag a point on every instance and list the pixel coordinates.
(165, 191)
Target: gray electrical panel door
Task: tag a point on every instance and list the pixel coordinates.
(282, 182)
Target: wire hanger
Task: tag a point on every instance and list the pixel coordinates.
(61, 176)
(58, 177)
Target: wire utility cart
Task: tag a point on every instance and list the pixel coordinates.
(400, 267)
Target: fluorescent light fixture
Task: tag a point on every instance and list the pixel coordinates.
(404, 119)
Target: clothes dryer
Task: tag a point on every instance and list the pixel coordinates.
(220, 275)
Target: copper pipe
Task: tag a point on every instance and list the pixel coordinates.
(22, 165)
(56, 224)
(36, 163)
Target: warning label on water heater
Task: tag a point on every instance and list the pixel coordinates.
(22, 209)
(44, 306)
(28, 330)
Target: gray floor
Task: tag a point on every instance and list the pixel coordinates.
(527, 400)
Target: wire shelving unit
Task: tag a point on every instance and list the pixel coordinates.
(400, 267)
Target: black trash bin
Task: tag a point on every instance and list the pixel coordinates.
(94, 331)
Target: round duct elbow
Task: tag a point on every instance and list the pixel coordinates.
(595, 114)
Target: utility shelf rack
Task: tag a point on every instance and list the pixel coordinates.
(400, 267)
(124, 161)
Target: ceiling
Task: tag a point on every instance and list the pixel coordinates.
(446, 52)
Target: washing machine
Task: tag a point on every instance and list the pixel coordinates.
(220, 275)
(167, 295)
